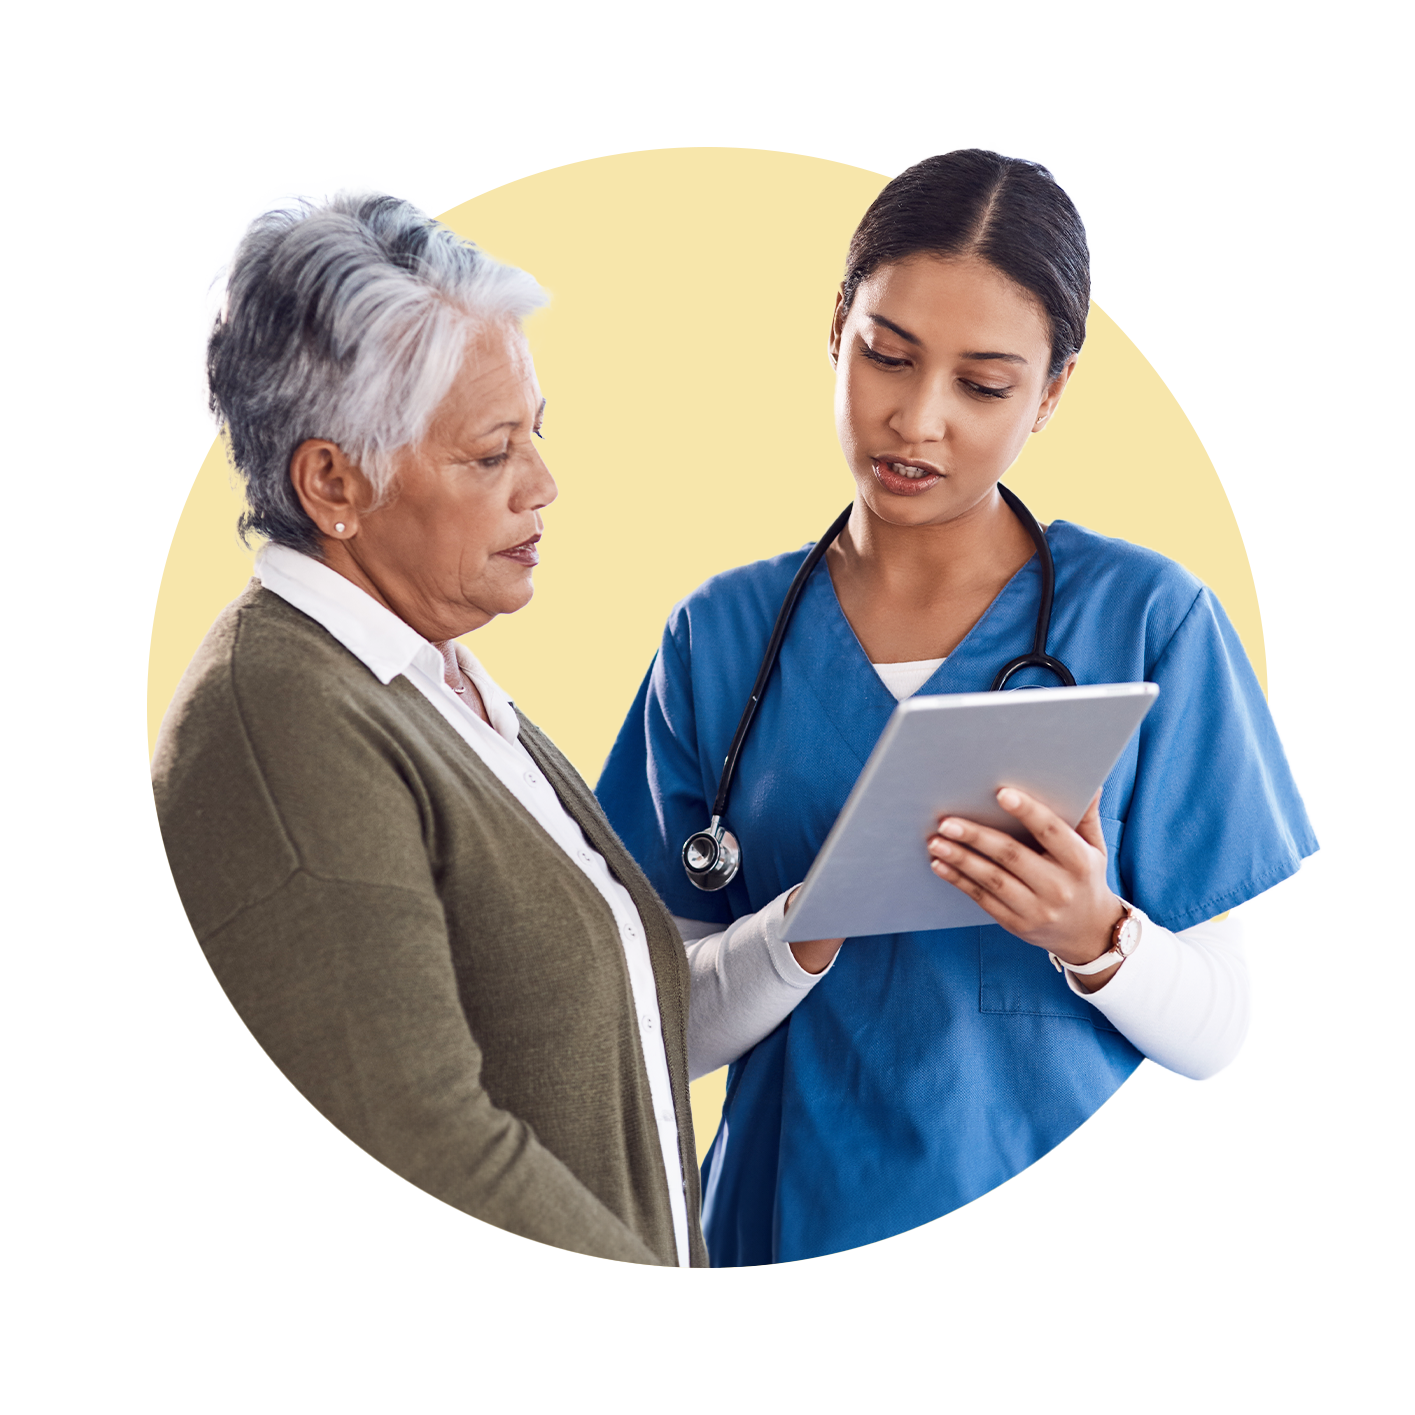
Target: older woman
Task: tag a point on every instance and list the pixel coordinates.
(409, 895)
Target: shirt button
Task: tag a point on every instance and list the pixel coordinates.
(585, 856)
(629, 929)
(648, 1023)
(533, 778)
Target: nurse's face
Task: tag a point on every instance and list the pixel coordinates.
(941, 376)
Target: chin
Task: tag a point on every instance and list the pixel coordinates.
(903, 510)
(516, 597)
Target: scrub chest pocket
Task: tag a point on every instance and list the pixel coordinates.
(1017, 978)
(1014, 977)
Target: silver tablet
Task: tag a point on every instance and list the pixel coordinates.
(950, 755)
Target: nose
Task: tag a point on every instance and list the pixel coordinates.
(536, 487)
(921, 415)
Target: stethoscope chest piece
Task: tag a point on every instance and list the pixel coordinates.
(712, 856)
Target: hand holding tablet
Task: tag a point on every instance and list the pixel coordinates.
(949, 758)
(1054, 896)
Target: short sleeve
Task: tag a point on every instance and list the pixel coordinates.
(652, 787)
(1215, 817)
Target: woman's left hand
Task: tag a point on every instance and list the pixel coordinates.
(1055, 897)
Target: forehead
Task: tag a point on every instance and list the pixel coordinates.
(943, 301)
(496, 381)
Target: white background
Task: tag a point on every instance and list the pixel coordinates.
(186, 1234)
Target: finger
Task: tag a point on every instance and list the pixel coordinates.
(1089, 828)
(986, 874)
(1014, 857)
(1008, 918)
(1052, 833)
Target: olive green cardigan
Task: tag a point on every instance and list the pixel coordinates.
(413, 951)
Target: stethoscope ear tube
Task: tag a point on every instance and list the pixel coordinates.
(1033, 660)
(1039, 657)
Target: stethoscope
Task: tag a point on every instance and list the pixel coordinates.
(712, 857)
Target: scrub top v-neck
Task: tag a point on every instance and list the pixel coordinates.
(927, 1068)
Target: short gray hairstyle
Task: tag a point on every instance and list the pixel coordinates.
(347, 321)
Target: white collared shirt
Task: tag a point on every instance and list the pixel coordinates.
(389, 647)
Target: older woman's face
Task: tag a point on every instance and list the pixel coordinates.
(456, 543)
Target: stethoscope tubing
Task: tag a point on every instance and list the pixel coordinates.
(721, 852)
(773, 649)
(1039, 657)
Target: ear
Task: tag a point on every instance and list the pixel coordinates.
(837, 326)
(331, 488)
(1053, 393)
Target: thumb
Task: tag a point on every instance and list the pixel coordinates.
(1089, 828)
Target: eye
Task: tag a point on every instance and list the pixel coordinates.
(491, 463)
(882, 359)
(984, 391)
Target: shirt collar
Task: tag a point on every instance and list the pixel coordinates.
(376, 636)
(498, 706)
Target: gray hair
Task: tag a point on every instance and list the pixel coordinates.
(347, 321)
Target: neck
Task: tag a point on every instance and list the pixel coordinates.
(985, 544)
(394, 593)
(913, 592)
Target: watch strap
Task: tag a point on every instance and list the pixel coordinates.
(1125, 940)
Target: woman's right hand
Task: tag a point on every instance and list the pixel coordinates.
(817, 954)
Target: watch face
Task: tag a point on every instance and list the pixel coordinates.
(1127, 935)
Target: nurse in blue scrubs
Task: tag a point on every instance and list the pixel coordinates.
(880, 1083)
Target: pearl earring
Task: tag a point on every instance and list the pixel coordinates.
(339, 528)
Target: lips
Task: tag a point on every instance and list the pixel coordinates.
(903, 478)
(523, 554)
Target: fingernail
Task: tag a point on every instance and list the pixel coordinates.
(942, 850)
(1008, 798)
(953, 828)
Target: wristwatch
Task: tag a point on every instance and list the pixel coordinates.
(1124, 940)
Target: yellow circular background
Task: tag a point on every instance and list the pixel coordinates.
(689, 428)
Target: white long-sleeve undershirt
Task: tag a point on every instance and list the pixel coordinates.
(1180, 999)
(744, 981)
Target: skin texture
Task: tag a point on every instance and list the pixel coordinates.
(942, 364)
(453, 545)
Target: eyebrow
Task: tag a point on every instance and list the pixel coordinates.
(1005, 358)
(975, 356)
(902, 333)
(514, 422)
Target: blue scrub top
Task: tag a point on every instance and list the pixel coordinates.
(926, 1068)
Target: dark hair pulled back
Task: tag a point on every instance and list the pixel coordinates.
(1004, 210)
